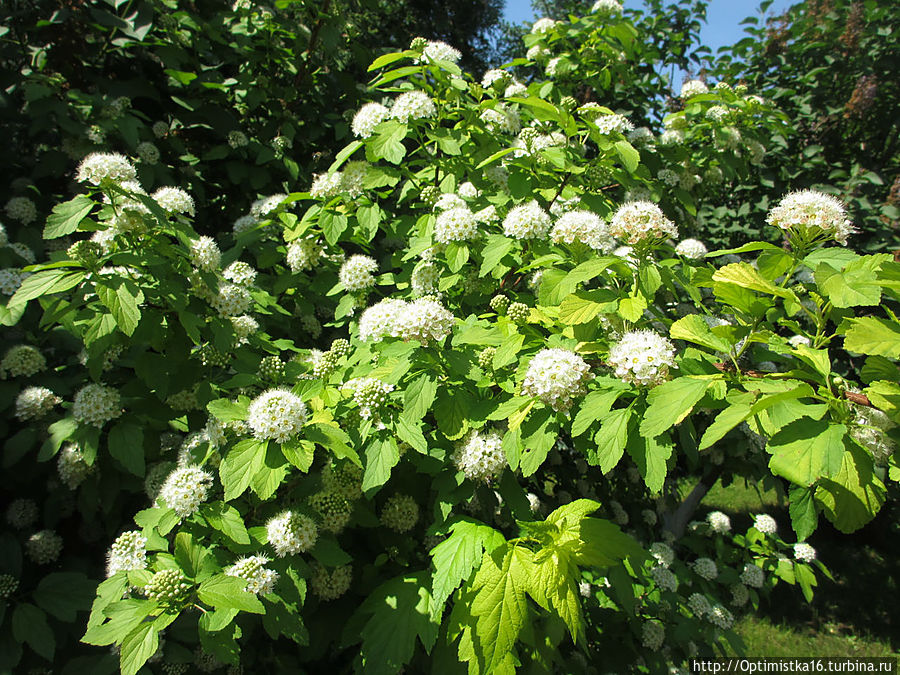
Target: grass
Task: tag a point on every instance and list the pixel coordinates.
(856, 615)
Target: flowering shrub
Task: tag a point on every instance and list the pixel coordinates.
(335, 459)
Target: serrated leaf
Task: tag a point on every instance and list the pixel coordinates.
(854, 285)
(496, 247)
(694, 329)
(240, 464)
(743, 275)
(584, 306)
(611, 439)
(411, 433)
(804, 517)
(227, 520)
(451, 411)
(138, 646)
(553, 586)
(62, 594)
(226, 410)
(594, 406)
(334, 438)
(629, 156)
(381, 457)
(418, 397)
(854, 495)
(806, 450)
(29, 626)
(870, 335)
(66, 216)
(670, 402)
(122, 304)
(126, 444)
(226, 592)
(456, 557)
(45, 282)
(650, 455)
(632, 307)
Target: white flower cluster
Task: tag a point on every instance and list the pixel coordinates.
(739, 595)
(718, 522)
(21, 513)
(277, 414)
(72, 467)
(653, 634)
(870, 431)
(290, 533)
(456, 224)
(424, 320)
(303, 254)
(448, 201)
(96, 404)
(160, 129)
(148, 152)
(804, 552)
(642, 357)
(400, 513)
(10, 280)
(468, 191)
(527, 221)
(330, 585)
(413, 105)
(607, 7)
(543, 25)
(21, 209)
(252, 569)
(798, 340)
(424, 279)
(205, 254)
(638, 221)
(237, 139)
(495, 76)
(353, 177)
(101, 167)
(810, 213)
(720, 617)
(128, 552)
(265, 207)
(44, 547)
(367, 118)
(231, 300)
(693, 249)
(185, 489)
(693, 88)
(706, 568)
(480, 456)
(174, 200)
(22, 361)
(664, 578)
(556, 376)
(501, 119)
(662, 553)
(753, 576)
(240, 273)
(358, 273)
(671, 137)
(440, 51)
(244, 326)
(35, 402)
(326, 186)
(765, 523)
(585, 227)
(369, 394)
(699, 604)
(608, 124)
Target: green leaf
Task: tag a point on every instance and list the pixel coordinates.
(594, 406)
(29, 626)
(499, 604)
(456, 557)
(299, 453)
(388, 59)
(632, 307)
(45, 282)
(226, 410)
(126, 444)
(226, 592)
(227, 520)
(122, 304)
(804, 517)
(333, 438)
(381, 457)
(451, 411)
(496, 247)
(870, 335)
(456, 254)
(62, 594)
(240, 464)
(746, 248)
(411, 433)
(596, 542)
(493, 158)
(650, 455)
(418, 397)
(725, 421)
(188, 553)
(611, 439)
(806, 449)
(670, 402)
(66, 216)
(539, 434)
(885, 396)
(401, 610)
(629, 156)
(138, 646)
(743, 275)
(387, 144)
(854, 495)
(854, 285)
(553, 586)
(269, 476)
(584, 306)
(694, 329)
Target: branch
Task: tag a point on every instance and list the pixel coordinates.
(677, 522)
(859, 399)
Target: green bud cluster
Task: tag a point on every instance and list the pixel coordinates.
(568, 103)
(499, 303)
(486, 357)
(167, 587)
(87, 252)
(333, 508)
(430, 194)
(340, 347)
(418, 44)
(271, 369)
(8, 585)
(518, 312)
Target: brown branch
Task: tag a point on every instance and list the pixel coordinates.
(859, 399)
(313, 39)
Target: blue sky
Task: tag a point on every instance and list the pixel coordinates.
(723, 17)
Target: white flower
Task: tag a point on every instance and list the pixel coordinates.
(10, 280)
(425, 320)
(424, 279)
(699, 604)
(100, 167)
(718, 522)
(765, 524)
(653, 634)
(706, 568)
(205, 254)
(449, 200)
(797, 340)
(456, 224)
(752, 576)
(543, 25)
(148, 152)
(367, 118)
(441, 51)
(185, 489)
(174, 200)
(252, 569)
(265, 207)
(480, 456)
(231, 300)
(642, 357)
(369, 394)
(739, 595)
(35, 402)
(326, 185)
(640, 136)
(515, 89)
(400, 513)
(556, 376)
(22, 513)
(277, 414)
(237, 139)
(552, 67)
(353, 177)
(671, 137)
(691, 248)
(663, 553)
(804, 552)
(608, 7)
(717, 113)
(664, 578)
(244, 326)
(22, 361)
(21, 209)
(413, 105)
(303, 254)
(495, 76)
(44, 547)
(243, 224)
(23, 252)
(721, 617)
(128, 552)
(240, 273)
(693, 88)
(634, 222)
(608, 124)
(95, 404)
(537, 53)
(290, 533)
(357, 273)
(72, 467)
(468, 191)
(527, 221)
(812, 214)
(585, 227)
(160, 129)
(498, 175)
